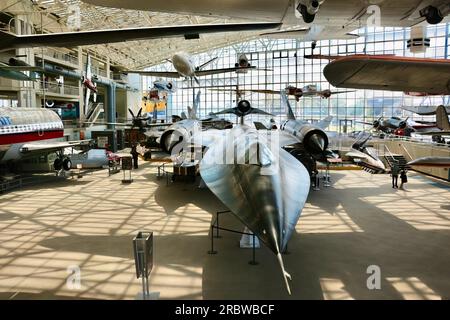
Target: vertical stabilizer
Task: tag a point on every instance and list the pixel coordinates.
(285, 102)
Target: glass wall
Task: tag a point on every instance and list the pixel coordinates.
(281, 63)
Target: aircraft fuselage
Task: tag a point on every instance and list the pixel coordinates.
(19, 126)
(184, 65)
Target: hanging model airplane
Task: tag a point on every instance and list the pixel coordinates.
(9, 41)
(185, 67)
(307, 91)
(442, 123)
(414, 76)
(31, 132)
(333, 19)
(424, 110)
(88, 83)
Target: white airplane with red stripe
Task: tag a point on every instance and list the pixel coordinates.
(31, 132)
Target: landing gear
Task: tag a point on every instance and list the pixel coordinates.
(62, 162)
(66, 164)
(57, 164)
(432, 15)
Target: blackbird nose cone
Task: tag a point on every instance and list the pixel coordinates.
(317, 143)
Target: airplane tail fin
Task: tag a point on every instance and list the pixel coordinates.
(361, 140)
(189, 112)
(323, 124)
(196, 105)
(442, 121)
(285, 101)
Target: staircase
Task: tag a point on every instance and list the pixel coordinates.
(397, 159)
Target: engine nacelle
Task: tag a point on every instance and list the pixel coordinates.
(435, 15)
(244, 107)
(308, 9)
(314, 140)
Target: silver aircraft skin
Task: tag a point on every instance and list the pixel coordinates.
(267, 194)
(309, 20)
(313, 137)
(248, 170)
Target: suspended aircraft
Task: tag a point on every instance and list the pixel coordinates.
(88, 83)
(310, 90)
(31, 132)
(423, 110)
(417, 76)
(185, 67)
(333, 19)
(9, 41)
(442, 123)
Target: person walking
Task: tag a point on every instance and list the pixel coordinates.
(394, 173)
(134, 154)
(403, 179)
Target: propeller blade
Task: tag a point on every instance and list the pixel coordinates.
(139, 113)
(132, 114)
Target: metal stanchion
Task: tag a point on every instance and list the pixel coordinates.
(143, 259)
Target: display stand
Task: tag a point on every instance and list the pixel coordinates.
(215, 225)
(127, 166)
(143, 259)
(326, 177)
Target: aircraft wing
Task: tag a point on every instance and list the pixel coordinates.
(202, 73)
(10, 41)
(337, 13)
(39, 148)
(423, 110)
(164, 74)
(392, 73)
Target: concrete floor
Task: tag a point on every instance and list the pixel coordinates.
(89, 224)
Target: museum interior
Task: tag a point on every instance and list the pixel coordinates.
(158, 150)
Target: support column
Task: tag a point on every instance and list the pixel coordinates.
(111, 110)
(26, 94)
(80, 86)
